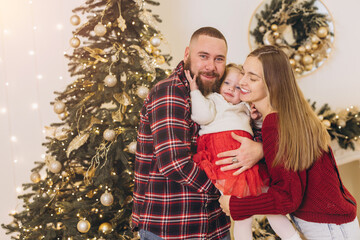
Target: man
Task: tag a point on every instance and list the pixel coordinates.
(173, 197)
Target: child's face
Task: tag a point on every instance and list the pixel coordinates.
(230, 88)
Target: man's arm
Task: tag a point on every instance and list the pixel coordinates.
(170, 125)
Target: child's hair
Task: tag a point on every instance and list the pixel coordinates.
(227, 70)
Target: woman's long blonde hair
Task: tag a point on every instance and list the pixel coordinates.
(302, 137)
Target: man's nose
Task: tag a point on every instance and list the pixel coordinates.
(210, 65)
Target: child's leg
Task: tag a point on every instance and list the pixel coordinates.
(283, 227)
(242, 229)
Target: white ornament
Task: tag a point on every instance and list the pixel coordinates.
(59, 107)
(297, 57)
(100, 30)
(106, 199)
(109, 134)
(142, 92)
(55, 166)
(155, 41)
(74, 42)
(262, 29)
(75, 20)
(110, 80)
(83, 226)
(132, 147)
(35, 177)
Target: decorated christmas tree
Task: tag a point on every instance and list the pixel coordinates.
(85, 191)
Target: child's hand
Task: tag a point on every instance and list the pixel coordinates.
(192, 81)
(255, 114)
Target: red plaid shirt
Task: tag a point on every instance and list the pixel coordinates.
(173, 197)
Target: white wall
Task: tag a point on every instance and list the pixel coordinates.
(337, 82)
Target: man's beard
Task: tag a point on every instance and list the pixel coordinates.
(205, 87)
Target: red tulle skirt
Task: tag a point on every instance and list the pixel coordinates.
(248, 183)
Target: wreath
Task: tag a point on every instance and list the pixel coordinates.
(303, 29)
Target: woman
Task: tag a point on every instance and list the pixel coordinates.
(305, 181)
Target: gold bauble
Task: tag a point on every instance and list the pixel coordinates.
(63, 115)
(83, 226)
(297, 57)
(341, 123)
(75, 20)
(109, 134)
(105, 228)
(59, 107)
(307, 59)
(142, 91)
(100, 30)
(298, 70)
(274, 27)
(35, 177)
(322, 32)
(75, 42)
(155, 41)
(110, 80)
(314, 46)
(301, 49)
(292, 62)
(160, 60)
(132, 147)
(107, 199)
(309, 67)
(327, 123)
(308, 47)
(262, 29)
(276, 34)
(55, 166)
(315, 39)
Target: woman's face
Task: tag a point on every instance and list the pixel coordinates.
(252, 84)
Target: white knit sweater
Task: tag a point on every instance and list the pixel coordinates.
(215, 114)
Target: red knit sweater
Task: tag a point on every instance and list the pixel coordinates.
(315, 195)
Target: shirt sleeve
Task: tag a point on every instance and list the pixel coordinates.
(170, 125)
(285, 192)
(203, 109)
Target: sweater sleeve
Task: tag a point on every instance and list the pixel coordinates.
(286, 187)
(203, 109)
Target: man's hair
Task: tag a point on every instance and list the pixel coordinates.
(208, 31)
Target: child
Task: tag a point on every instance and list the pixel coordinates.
(219, 114)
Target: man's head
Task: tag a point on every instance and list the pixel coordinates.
(205, 57)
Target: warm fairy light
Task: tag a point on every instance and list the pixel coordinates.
(59, 26)
(13, 139)
(13, 212)
(6, 31)
(61, 78)
(43, 156)
(30, 2)
(7, 84)
(34, 106)
(3, 110)
(39, 76)
(31, 52)
(18, 189)
(15, 160)
(35, 28)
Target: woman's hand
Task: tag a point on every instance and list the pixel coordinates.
(192, 81)
(224, 201)
(244, 158)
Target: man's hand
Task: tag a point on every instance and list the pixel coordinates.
(224, 201)
(244, 158)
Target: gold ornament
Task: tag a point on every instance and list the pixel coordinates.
(75, 20)
(276, 34)
(298, 70)
(297, 57)
(54, 166)
(75, 42)
(301, 49)
(278, 41)
(117, 116)
(160, 60)
(105, 228)
(109, 135)
(307, 59)
(142, 92)
(77, 142)
(59, 107)
(83, 226)
(308, 47)
(322, 32)
(35, 177)
(110, 80)
(315, 39)
(121, 23)
(341, 123)
(63, 115)
(274, 27)
(155, 41)
(292, 62)
(132, 147)
(100, 30)
(107, 199)
(309, 67)
(262, 29)
(123, 98)
(327, 123)
(314, 46)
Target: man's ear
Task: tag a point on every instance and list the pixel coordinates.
(186, 54)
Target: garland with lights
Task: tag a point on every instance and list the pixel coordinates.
(299, 29)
